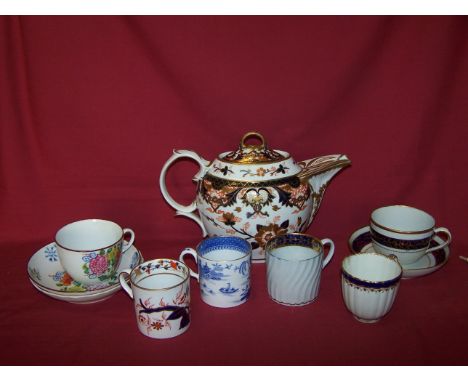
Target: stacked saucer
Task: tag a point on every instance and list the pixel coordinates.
(47, 275)
(361, 241)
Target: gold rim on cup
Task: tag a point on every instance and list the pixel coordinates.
(268, 245)
(134, 270)
(399, 231)
(89, 250)
(372, 284)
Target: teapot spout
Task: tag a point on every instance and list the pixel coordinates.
(318, 172)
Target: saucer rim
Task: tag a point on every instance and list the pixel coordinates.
(83, 299)
(78, 294)
(367, 228)
(75, 295)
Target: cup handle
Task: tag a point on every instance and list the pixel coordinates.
(190, 251)
(124, 282)
(127, 244)
(331, 251)
(444, 244)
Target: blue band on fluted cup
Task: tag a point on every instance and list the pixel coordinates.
(360, 282)
(371, 284)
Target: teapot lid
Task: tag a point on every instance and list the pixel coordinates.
(251, 154)
(254, 163)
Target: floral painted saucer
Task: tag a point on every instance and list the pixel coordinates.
(361, 241)
(48, 276)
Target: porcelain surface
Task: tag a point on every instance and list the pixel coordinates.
(47, 275)
(361, 241)
(369, 283)
(255, 193)
(294, 264)
(405, 232)
(90, 251)
(160, 290)
(223, 270)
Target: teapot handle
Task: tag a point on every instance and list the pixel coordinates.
(182, 210)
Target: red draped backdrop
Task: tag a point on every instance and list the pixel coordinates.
(92, 107)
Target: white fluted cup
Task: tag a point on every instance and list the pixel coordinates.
(160, 290)
(370, 282)
(294, 264)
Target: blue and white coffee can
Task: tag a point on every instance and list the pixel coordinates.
(223, 270)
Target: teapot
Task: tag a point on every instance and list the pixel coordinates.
(254, 192)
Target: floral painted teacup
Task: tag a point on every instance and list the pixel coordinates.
(90, 250)
(223, 270)
(160, 290)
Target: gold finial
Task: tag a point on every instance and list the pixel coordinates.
(251, 134)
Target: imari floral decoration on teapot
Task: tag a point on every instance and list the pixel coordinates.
(254, 192)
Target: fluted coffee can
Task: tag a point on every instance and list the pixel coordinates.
(294, 264)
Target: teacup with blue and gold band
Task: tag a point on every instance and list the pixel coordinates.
(405, 232)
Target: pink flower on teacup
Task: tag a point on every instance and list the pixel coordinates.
(97, 264)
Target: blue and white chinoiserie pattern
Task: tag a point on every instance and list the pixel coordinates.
(223, 270)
